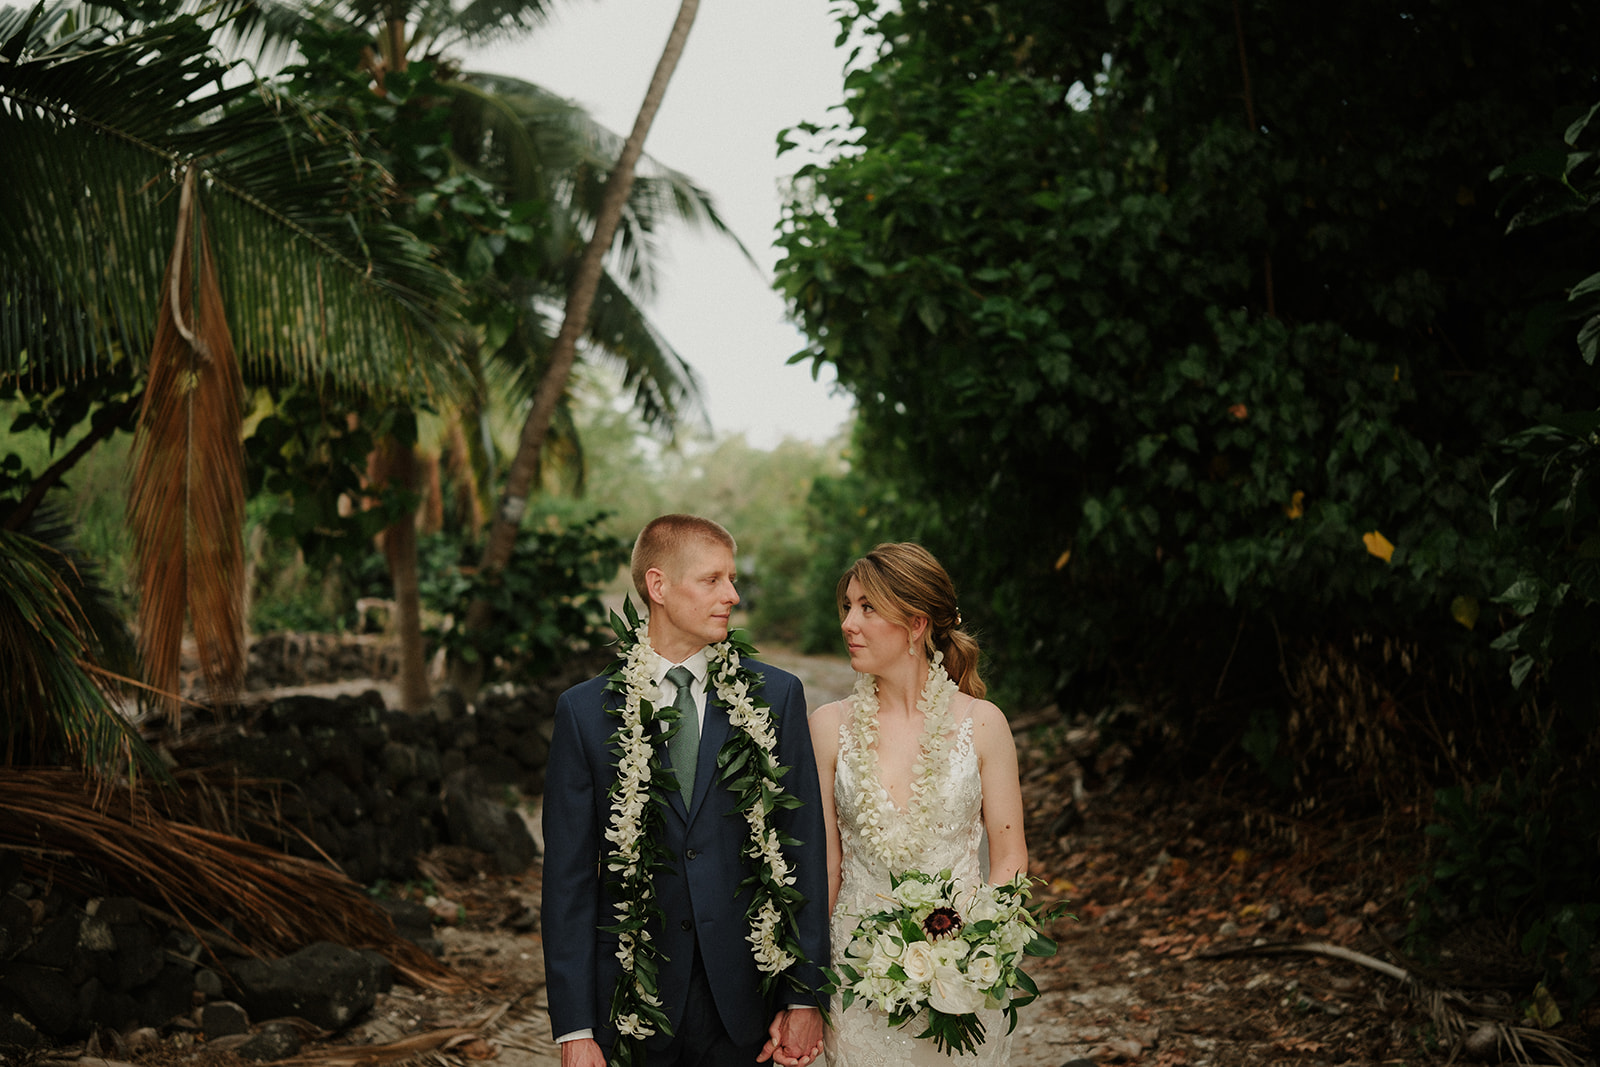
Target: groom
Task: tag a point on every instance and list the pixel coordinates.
(710, 986)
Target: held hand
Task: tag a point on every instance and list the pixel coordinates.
(774, 1039)
(796, 1038)
(582, 1052)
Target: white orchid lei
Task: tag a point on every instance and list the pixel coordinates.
(748, 768)
(896, 838)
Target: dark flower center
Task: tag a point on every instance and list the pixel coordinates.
(942, 922)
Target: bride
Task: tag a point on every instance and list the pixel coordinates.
(916, 766)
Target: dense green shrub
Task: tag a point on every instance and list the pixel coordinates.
(1188, 335)
(545, 605)
(1522, 850)
(1167, 366)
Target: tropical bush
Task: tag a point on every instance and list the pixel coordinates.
(1193, 338)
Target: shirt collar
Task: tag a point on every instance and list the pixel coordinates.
(699, 665)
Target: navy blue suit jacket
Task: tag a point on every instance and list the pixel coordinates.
(699, 892)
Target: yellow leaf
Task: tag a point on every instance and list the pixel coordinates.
(1464, 609)
(1378, 545)
(1061, 560)
(1543, 1012)
(1296, 506)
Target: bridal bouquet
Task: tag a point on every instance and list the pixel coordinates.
(945, 949)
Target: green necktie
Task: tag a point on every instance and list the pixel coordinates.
(685, 744)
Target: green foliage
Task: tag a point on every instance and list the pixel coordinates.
(1186, 334)
(1134, 365)
(1523, 851)
(60, 635)
(307, 461)
(101, 119)
(545, 606)
(760, 495)
(90, 496)
(847, 514)
(1548, 496)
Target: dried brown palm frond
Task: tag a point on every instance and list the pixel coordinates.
(103, 838)
(408, 1048)
(187, 503)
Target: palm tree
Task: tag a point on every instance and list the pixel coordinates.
(530, 147)
(163, 216)
(580, 299)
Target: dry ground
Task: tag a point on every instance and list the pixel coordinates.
(1176, 892)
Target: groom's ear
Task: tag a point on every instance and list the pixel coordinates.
(655, 582)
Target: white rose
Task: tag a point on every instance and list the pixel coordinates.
(916, 894)
(984, 906)
(953, 993)
(984, 970)
(918, 962)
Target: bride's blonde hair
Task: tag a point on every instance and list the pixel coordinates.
(903, 581)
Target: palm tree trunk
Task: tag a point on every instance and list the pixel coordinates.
(395, 464)
(580, 298)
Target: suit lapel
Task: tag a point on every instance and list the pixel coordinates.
(713, 734)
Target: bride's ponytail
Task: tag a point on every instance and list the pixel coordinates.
(903, 581)
(961, 660)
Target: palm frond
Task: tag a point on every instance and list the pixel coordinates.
(108, 838)
(572, 156)
(187, 504)
(54, 632)
(482, 22)
(319, 282)
(666, 390)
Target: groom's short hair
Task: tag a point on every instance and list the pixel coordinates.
(662, 541)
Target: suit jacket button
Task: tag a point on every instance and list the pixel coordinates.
(687, 925)
(690, 854)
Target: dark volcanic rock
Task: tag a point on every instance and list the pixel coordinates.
(481, 822)
(328, 985)
(274, 1041)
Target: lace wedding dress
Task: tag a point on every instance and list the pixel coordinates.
(861, 1036)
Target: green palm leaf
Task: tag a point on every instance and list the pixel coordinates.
(60, 649)
(319, 283)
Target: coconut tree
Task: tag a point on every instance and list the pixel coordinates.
(490, 146)
(174, 225)
(580, 300)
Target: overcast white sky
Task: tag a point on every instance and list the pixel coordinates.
(750, 69)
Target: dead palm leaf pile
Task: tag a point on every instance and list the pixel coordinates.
(100, 838)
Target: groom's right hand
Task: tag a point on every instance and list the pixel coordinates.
(582, 1052)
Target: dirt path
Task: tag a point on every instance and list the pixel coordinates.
(1168, 882)
(510, 964)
